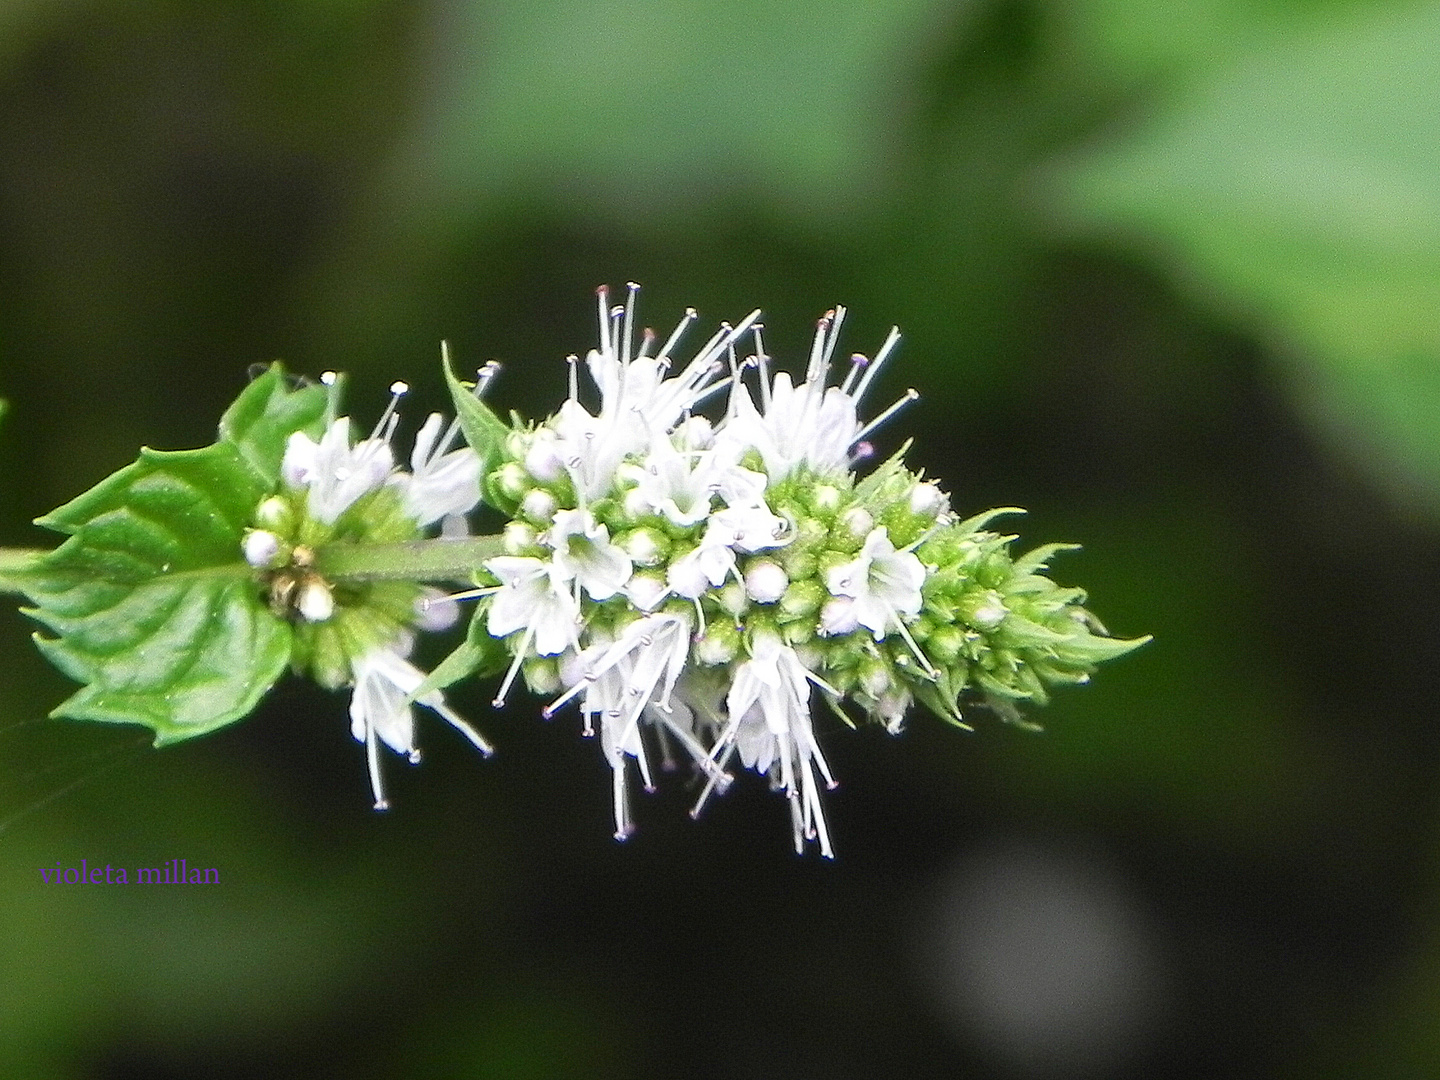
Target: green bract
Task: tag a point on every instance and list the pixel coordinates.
(151, 604)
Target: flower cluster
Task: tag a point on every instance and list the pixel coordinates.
(360, 633)
(699, 583)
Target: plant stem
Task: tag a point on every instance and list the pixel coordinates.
(422, 560)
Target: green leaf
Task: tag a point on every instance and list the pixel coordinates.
(1296, 189)
(152, 605)
(479, 655)
(484, 431)
(261, 420)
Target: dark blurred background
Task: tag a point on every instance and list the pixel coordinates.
(1169, 276)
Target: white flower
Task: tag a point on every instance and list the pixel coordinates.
(585, 555)
(380, 709)
(677, 485)
(637, 399)
(534, 599)
(769, 725)
(809, 424)
(335, 473)
(441, 481)
(627, 681)
(882, 583)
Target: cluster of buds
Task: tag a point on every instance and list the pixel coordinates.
(696, 584)
(360, 633)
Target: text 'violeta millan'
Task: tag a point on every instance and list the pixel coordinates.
(174, 872)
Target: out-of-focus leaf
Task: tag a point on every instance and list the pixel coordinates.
(648, 104)
(1298, 189)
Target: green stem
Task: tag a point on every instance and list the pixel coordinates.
(422, 560)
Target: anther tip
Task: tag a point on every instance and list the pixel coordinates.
(399, 388)
(414, 757)
(382, 804)
(328, 377)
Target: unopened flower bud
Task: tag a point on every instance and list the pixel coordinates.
(538, 505)
(314, 601)
(645, 546)
(511, 480)
(542, 675)
(927, 500)
(733, 600)
(262, 549)
(987, 611)
(825, 498)
(720, 645)
(857, 521)
(646, 589)
(765, 581)
(542, 459)
(275, 513)
(519, 537)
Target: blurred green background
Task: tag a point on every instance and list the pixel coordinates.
(1169, 276)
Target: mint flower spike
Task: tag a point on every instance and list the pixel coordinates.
(336, 492)
(690, 581)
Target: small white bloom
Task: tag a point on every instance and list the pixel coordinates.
(638, 395)
(532, 598)
(884, 584)
(809, 424)
(441, 482)
(584, 554)
(542, 457)
(380, 711)
(673, 484)
(335, 473)
(624, 682)
(769, 725)
(706, 566)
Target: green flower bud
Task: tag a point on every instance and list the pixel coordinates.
(803, 598)
(511, 480)
(645, 545)
(719, 645)
(732, 599)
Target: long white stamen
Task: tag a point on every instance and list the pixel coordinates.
(602, 300)
(397, 391)
(458, 722)
(762, 365)
(858, 362)
(875, 365)
(499, 699)
(629, 336)
(372, 758)
(674, 339)
(910, 395)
